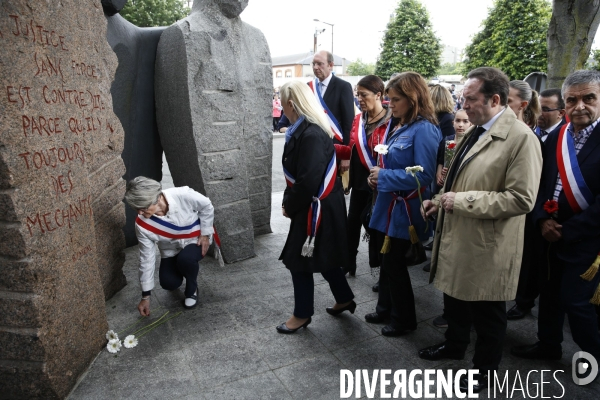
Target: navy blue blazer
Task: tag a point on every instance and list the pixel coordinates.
(580, 241)
(340, 100)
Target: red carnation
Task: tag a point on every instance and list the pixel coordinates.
(451, 145)
(551, 207)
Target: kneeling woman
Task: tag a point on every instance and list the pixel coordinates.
(180, 221)
(313, 194)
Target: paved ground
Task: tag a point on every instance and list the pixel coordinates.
(228, 348)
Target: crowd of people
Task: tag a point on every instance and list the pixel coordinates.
(505, 181)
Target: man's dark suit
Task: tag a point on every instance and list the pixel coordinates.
(534, 255)
(340, 100)
(565, 291)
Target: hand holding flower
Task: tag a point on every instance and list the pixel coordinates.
(551, 230)
(428, 210)
(373, 177)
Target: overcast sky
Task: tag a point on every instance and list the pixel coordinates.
(358, 25)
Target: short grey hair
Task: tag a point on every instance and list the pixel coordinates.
(581, 77)
(142, 192)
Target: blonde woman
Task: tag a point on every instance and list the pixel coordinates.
(309, 166)
(443, 105)
(524, 102)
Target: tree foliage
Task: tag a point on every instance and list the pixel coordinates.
(360, 68)
(513, 38)
(146, 13)
(409, 43)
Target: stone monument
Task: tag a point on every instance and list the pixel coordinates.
(133, 99)
(213, 85)
(61, 212)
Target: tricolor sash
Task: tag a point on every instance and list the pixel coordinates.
(578, 194)
(168, 230)
(172, 231)
(365, 153)
(333, 123)
(314, 212)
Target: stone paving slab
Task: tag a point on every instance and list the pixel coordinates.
(228, 348)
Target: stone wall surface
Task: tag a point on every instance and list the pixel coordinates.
(60, 193)
(213, 99)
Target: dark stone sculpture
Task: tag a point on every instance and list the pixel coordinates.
(133, 99)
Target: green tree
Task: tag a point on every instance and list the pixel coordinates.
(146, 13)
(360, 68)
(513, 38)
(409, 43)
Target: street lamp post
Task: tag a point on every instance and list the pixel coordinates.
(327, 23)
(317, 32)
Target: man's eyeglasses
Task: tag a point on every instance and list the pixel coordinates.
(546, 109)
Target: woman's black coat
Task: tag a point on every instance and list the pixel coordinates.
(306, 156)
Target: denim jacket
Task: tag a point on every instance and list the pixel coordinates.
(412, 144)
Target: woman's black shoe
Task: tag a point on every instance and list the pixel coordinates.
(375, 287)
(350, 307)
(284, 329)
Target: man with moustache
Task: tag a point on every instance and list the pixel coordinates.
(570, 181)
(491, 185)
(336, 97)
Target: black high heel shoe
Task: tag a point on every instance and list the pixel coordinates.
(350, 307)
(284, 329)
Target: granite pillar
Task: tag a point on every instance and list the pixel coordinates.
(213, 98)
(61, 214)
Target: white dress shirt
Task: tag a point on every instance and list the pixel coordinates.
(186, 206)
(323, 84)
